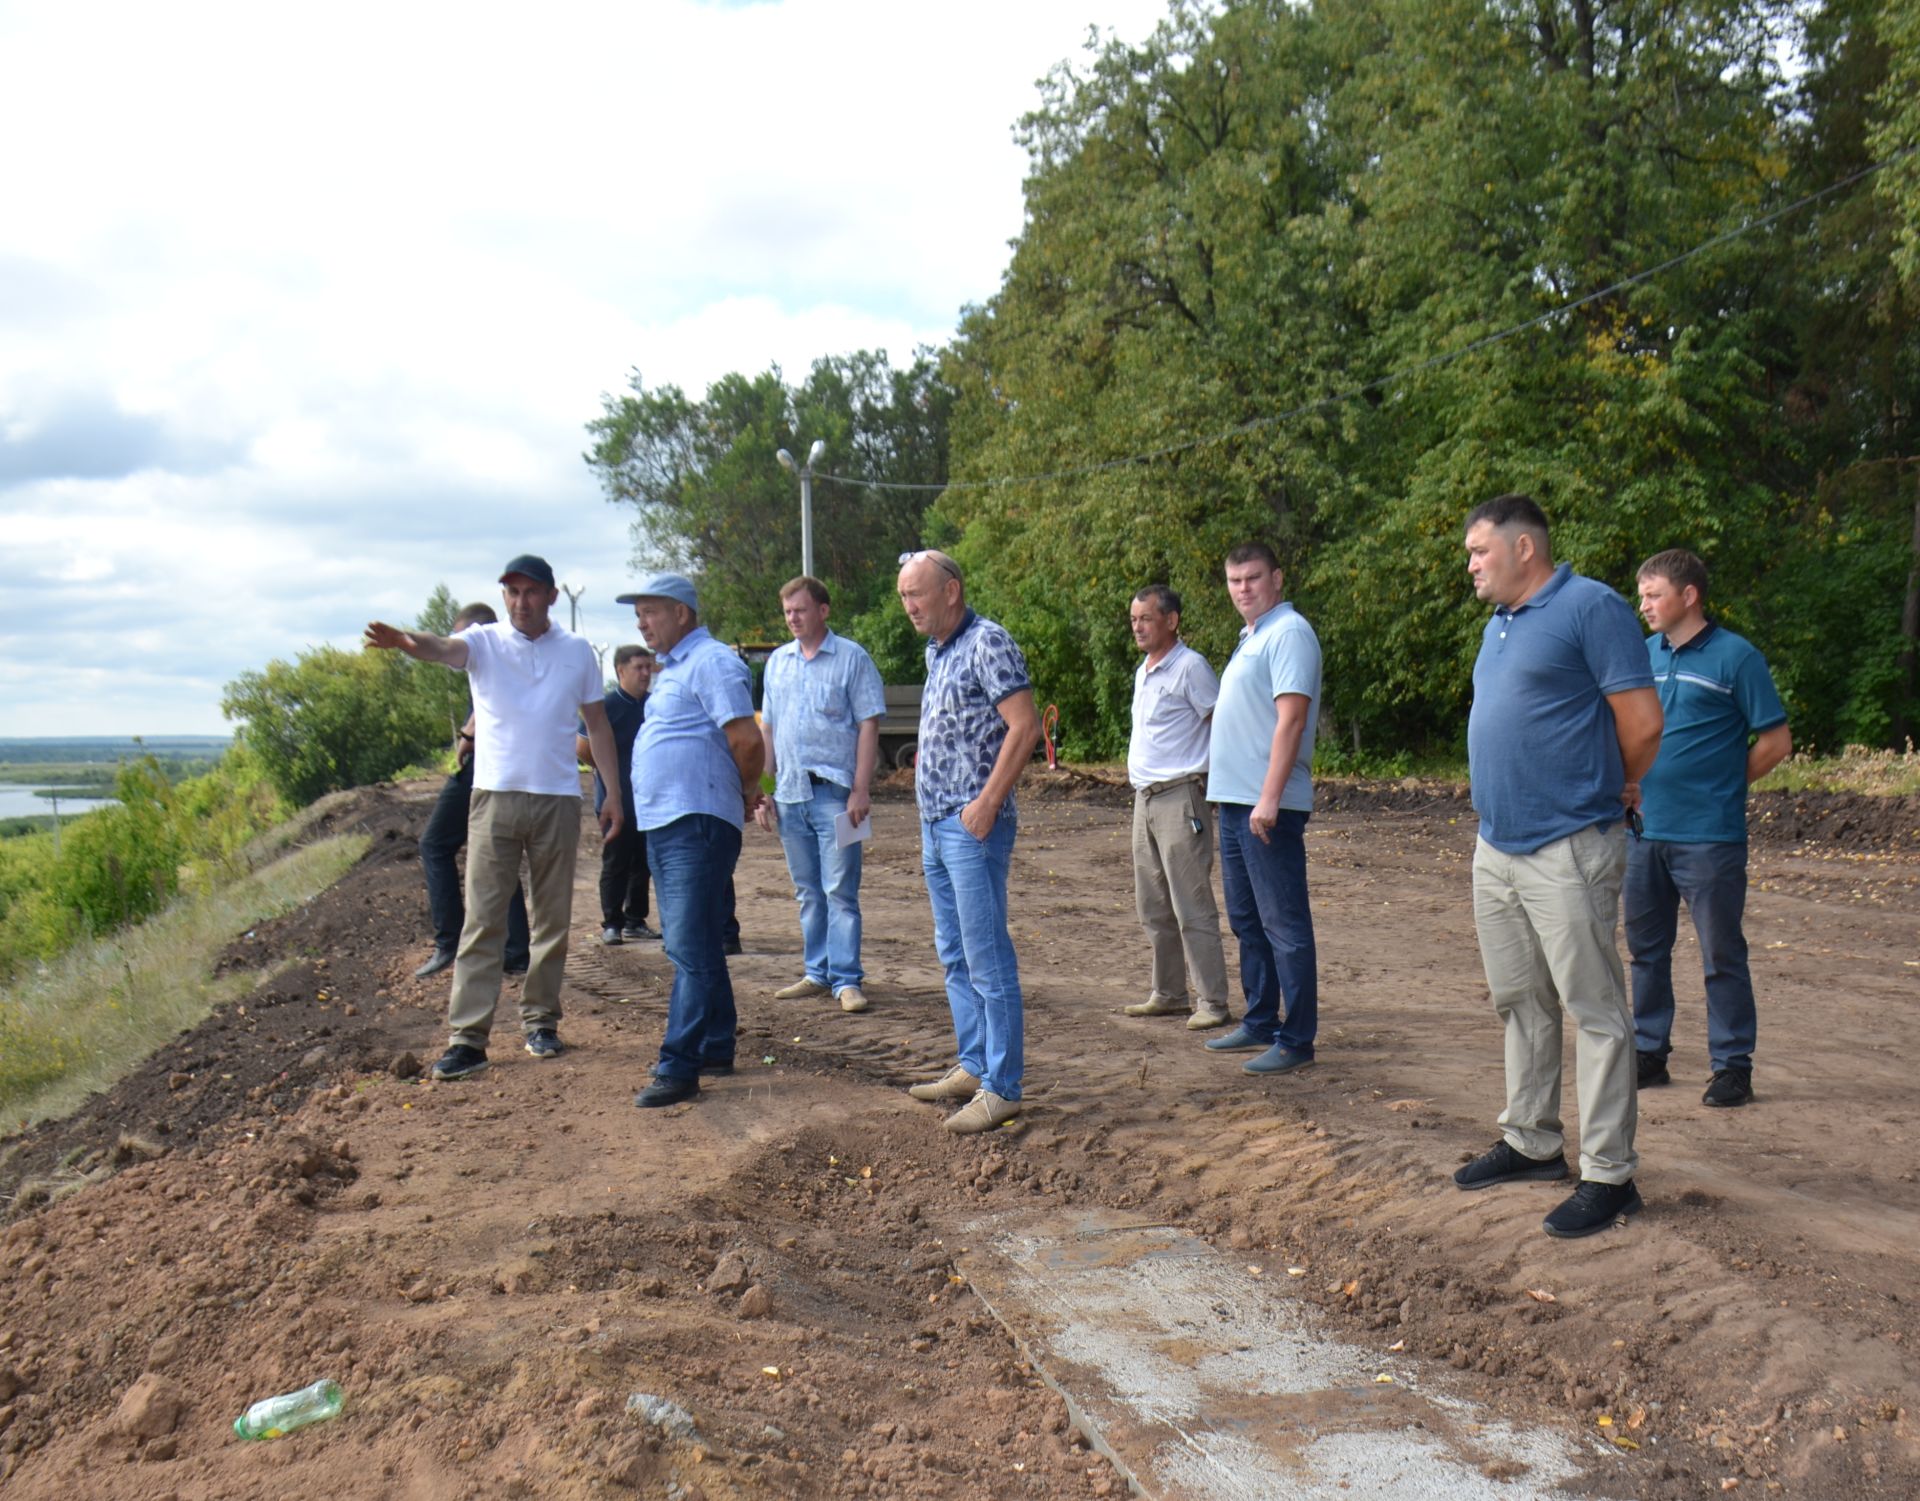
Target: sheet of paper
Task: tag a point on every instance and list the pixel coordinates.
(846, 831)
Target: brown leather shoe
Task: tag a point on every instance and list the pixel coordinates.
(852, 998)
(799, 990)
(957, 1084)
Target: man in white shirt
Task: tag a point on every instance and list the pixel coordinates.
(531, 680)
(1174, 691)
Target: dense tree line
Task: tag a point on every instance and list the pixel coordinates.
(1291, 230)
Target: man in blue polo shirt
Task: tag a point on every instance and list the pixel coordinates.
(820, 713)
(978, 728)
(696, 780)
(1258, 761)
(1564, 724)
(1715, 691)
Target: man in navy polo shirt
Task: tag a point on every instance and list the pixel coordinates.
(978, 728)
(702, 754)
(623, 859)
(1715, 691)
(1564, 724)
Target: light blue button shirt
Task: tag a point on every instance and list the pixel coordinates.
(815, 709)
(1277, 654)
(681, 763)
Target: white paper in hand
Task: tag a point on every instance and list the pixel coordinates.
(846, 831)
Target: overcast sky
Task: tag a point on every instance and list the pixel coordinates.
(303, 311)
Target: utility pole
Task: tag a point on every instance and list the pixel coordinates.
(573, 605)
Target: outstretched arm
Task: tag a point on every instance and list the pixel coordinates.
(448, 651)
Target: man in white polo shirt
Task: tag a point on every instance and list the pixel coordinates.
(1174, 691)
(531, 680)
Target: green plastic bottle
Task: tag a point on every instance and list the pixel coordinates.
(273, 1416)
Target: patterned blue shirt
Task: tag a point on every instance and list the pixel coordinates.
(969, 675)
(681, 763)
(814, 710)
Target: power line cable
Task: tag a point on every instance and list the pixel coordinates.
(1381, 383)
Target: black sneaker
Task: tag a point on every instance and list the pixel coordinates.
(544, 1042)
(1653, 1069)
(663, 1091)
(639, 932)
(1501, 1164)
(1730, 1086)
(441, 959)
(459, 1062)
(1593, 1207)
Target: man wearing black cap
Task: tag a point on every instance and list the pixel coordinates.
(531, 680)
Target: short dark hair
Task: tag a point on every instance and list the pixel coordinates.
(812, 585)
(625, 654)
(1504, 511)
(475, 614)
(1161, 598)
(1254, 552)
(1678, 567)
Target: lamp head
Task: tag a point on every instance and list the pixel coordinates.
(785, 458)
(814, 453)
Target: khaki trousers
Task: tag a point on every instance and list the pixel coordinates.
(1173, 893)
(1547, 922)
(502, 828)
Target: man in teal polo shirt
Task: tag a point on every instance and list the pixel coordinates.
(1716, 691)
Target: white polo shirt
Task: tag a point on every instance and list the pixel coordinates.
(1171, 702)
(527, 694)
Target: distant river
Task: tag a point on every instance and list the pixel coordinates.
(17, 801)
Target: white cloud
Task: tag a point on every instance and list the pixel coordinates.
(302, 312)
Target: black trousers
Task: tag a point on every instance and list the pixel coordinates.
(445, 834)
(624, 878)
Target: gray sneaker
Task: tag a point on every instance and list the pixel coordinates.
(610, 936)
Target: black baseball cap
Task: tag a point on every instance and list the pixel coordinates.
(528, 565)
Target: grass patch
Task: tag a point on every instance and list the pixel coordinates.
(94, 1014)
(1877, 773)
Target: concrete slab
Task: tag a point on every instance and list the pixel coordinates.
(1201, 1383)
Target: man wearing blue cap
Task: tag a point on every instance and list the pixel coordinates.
(530, 681)
(696, 781)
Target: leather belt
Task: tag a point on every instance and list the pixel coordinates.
(1154, 789)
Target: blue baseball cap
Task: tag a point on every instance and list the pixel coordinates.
(674, 586)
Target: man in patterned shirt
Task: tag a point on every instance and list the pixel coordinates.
(978, 729)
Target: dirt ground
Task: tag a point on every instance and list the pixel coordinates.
(493, 1268)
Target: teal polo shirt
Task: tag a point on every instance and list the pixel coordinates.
(1715, 691)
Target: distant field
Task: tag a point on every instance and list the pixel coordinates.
(67, 751)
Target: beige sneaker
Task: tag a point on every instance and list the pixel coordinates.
(957, 1084)
(982, 1113)
(799, 990)
(852, 998)
(1208, 1016)
(1155, 1005)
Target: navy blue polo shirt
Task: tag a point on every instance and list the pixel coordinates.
(1715, 691)
(1542, 749)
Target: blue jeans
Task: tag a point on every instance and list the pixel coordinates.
(826, 883)
(692, 860)
(1713, 880)
(967, 885)
(1266, 890)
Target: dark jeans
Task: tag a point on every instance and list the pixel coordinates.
(623, 877)
(443, 838)
(1266, 889)
(1712, 878)
(693, 860)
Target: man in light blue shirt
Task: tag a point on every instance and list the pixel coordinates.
(696, 777)
(820, 719)
(1257, 773)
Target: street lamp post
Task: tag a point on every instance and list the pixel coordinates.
(806, 498)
